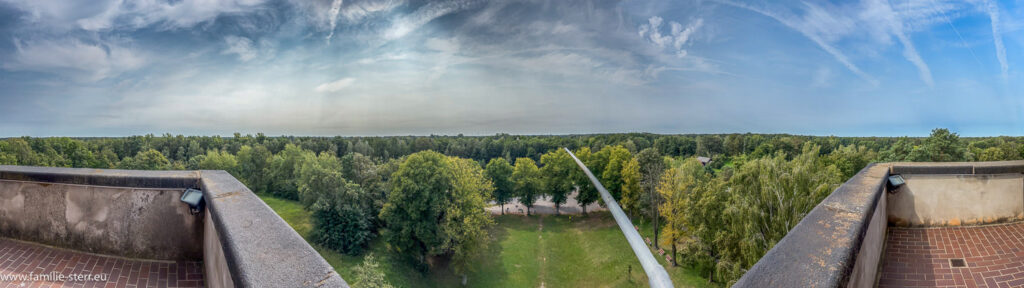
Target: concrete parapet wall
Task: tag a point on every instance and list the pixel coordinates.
(138, 223)
(241, 241)
(957, 199)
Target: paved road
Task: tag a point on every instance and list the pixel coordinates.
(544, 206)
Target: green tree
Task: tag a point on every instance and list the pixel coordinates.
(527, 182)
(146, 160)
(770, 196)
(253, 165)
(219, 160)
(631, 191)
(359, 169)
(466, 221)
(284, 170)
(500, 173)
(710, 145)
(586, 192)
(676, 185)
(368, 274)
(992, 154)
(611, 175)
(944, 146)
(343, 213)
(850, 159)
(557, 175)
(651, 165)
(703, 217)
(436, 207)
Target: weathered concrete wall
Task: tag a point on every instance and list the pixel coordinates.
(130, 222)
(957, 199)
(865, 270)
(216, 269)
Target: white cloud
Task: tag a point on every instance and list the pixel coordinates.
(117, 14)
(678, 38)
(879, 11)
(335, 86)
(333, 14)
(424, 15)
(997, 38)
(812, 32)
(83, 61)
(241, 46)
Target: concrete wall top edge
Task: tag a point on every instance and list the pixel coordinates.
(102, 177)
(821, 250)
(994, 167)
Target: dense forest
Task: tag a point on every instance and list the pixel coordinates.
(719, 218)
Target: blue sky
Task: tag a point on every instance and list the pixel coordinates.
(337, 67)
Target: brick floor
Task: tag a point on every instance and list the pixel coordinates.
(920, 257)
(21, 258)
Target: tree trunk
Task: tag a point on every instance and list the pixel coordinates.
(674, 255)
(656, 227)
(502, 209)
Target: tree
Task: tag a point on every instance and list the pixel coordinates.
(709, 145)
(703, 217)
(943, 146)
(676, 185)
(284, 170)
(631, 191)
(557, 175)
(368, 274)
(651, 166)
(436, 207)
(466, 221)
(500, 172)
(611, 175)
(770, 196)
(219, 160)
(850, 159)
(343, 212)
(587, 193)
(991, 154)
(253, 163)
(734, 144)
(146, 160)
(527, 182)
(359, 169)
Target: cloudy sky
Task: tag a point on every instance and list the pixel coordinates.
(400, 67)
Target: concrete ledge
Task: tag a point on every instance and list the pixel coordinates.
(995, 167)
(261, 250)
(821, 250)
(102, 177)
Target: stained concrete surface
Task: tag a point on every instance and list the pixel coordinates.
(130, 222)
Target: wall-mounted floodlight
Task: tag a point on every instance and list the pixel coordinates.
(194, 199)
(895, 181)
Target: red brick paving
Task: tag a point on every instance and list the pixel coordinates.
(920, 257)
(21, 258)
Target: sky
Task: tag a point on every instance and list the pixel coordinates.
(406, 67)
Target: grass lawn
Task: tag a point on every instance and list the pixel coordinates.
(535, 251)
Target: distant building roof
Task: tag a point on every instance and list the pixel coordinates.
(704, 160)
